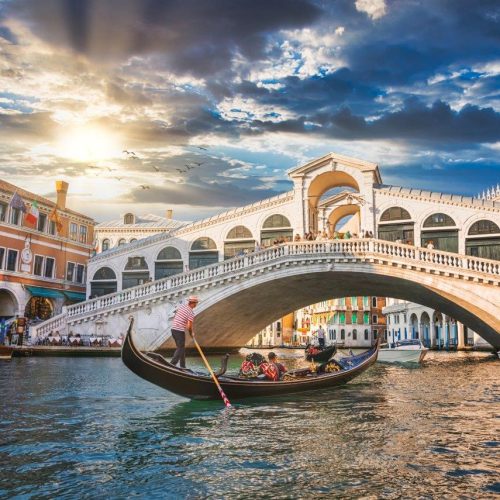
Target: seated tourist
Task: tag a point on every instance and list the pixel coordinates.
(250, 366)
(272, 370)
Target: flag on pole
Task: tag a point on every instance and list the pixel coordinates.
(32, 215)
(17, 202)
(54, 217)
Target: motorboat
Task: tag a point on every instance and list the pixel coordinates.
(199, 385)
(402, 351)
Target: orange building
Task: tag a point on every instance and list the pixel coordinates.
(43, 253)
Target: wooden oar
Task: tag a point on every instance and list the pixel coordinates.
(221, 392)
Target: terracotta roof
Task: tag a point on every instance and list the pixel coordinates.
(29, 196)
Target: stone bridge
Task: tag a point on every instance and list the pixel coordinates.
(240, 296)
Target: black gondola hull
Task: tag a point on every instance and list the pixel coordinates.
(199, 386)
(323, 355)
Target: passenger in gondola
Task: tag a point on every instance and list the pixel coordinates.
(272, 369)
(250, 368)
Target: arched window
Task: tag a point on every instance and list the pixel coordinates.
(483, 227)
(105, 244)
(133, 239)
(128, 219)
(203, 253)
(121, 242)
(276, 221)
(238, 233)
(136, 272)
(168, 262)
(391, 229)
(439, 220)
(483, 240)
(446, 239)
(103, 282)
(239, 241)
(367, 334)
(204, 243)
(355, 334)
(395, 213)
(342, 334)
(104, 273)
(276, 229)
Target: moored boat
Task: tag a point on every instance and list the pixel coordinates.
(199, 385)
(6, 352)
(320, 355)
(404, 351)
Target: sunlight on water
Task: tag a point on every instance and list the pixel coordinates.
(89, 428)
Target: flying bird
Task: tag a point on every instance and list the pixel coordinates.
(180, 171)
(156, 168)
(119, 178)
(189, 167)
(198, 163)
(201, 147)
(142, 186)
(130, 153)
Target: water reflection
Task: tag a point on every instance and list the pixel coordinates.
(90, 428)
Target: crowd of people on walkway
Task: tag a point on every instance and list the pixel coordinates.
(54, 338)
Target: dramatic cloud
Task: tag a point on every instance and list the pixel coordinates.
(209, 103)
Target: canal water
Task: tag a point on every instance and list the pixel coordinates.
(89, 428)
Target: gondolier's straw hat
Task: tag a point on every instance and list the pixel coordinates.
(193, 298)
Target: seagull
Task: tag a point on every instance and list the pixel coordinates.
(198, 163)
(142, 186)
(130, 153)
(201, 147)
(189, 167)
(156, 168)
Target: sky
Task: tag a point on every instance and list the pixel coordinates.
(199, 106)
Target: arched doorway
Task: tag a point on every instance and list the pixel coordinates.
(238, 241)
(136, 272)
(396, 225)
(203, 253)
(437, 319)
(483, 240)
(320, 185)
(425, 323)
(39, 308)
(415, 334)
(441, 230)
(339, 216)
(103, 282)
(8, 304)
(168, 262)
(277, 227)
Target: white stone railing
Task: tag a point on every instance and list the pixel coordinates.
(474, 267)
(55, 324)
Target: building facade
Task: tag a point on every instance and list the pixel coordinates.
(44, 252)
(130, 228)
(407, 320)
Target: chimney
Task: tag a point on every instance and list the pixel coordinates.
(62, 191)
(170, 213)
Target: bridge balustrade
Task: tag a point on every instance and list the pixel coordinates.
(356, 248)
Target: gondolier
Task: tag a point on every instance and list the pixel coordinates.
(183, 320)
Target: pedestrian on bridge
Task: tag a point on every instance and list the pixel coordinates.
(183, 320)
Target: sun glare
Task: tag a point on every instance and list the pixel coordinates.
(88, 144)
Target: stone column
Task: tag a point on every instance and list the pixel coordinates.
(432, 327)
(446, 331)
(461, 336)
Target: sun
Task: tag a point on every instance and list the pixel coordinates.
(88, 144)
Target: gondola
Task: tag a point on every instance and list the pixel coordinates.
(321, 356)
(198, 385)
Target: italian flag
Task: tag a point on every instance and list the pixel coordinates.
(32, 215)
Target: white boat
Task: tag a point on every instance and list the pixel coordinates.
(403, 351)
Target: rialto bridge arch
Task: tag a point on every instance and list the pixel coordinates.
(242, 295)
(319, 176)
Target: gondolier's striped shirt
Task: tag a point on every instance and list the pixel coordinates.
(183, 314)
